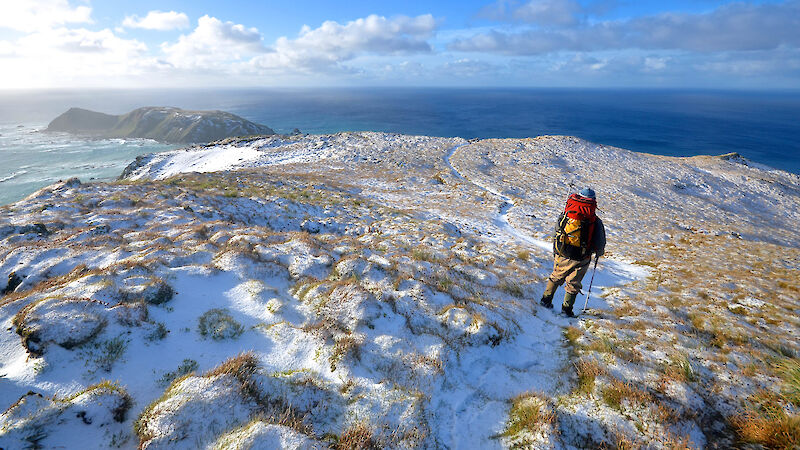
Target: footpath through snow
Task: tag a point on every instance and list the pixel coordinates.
(381, 290)
(609, 272)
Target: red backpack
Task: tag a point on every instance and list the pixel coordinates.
(575, 227)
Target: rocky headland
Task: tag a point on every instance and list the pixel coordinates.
(373, 290)
(163, 124)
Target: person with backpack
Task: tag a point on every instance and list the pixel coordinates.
(579, 233)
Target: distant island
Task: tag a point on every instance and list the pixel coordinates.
(163, 124)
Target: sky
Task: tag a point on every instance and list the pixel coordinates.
(475, 43)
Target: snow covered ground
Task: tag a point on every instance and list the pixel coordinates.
(371, 289)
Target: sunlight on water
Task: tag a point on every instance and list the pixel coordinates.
(32, 159)
(762, 126)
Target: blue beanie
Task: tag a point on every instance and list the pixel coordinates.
(587, 192)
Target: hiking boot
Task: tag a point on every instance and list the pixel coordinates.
(547, 297)
(569, 300)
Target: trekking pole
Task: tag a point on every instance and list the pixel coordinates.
(590, 284)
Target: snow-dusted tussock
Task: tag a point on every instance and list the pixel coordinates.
(712, 195)
(197, 407)
(92, 418)
(69, 322)
(380, 290)
(338, 149)
(261, 434)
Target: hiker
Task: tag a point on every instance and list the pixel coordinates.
(579, 233)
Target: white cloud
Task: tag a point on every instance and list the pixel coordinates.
(468, 68)
(548, 12)
(557, 44)
(733, 27)
(654, 64)
(214, 44)
(29, 15)
(157, 20)
(214, 51)
(760, 64)
(7, 48)
(545, 13)
(74, 57)
(79, 40)
(324, 48)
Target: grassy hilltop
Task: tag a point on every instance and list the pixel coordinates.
(366, 290)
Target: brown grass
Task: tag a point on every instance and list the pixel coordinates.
(618, 391)
(528, 413)
(772, 429)
(357, 437)
(789, 369)
(79, 271)
(343, 346)
(572, 334)
(587, 370)
(241, 367)
(680, 368)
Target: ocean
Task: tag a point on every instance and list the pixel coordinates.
(762, 126)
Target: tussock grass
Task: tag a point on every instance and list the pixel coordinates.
(358, 436)
(780, 348)
(423, 255)
(242, 367)
(511, 287)
(120, 412)
(617, 391)
(80, 271)
(443, 283)
(680, 368)
(188, 366)
(602, 345)
(108, 352)
(572, 334)
(343, 346)
(587, 369)
(31, 340)
(218, 324)
(420, 360)
(789, 369)
(159, 332)
(765, 422)
(528, 414)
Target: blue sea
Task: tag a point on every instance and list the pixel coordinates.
(762, 126)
